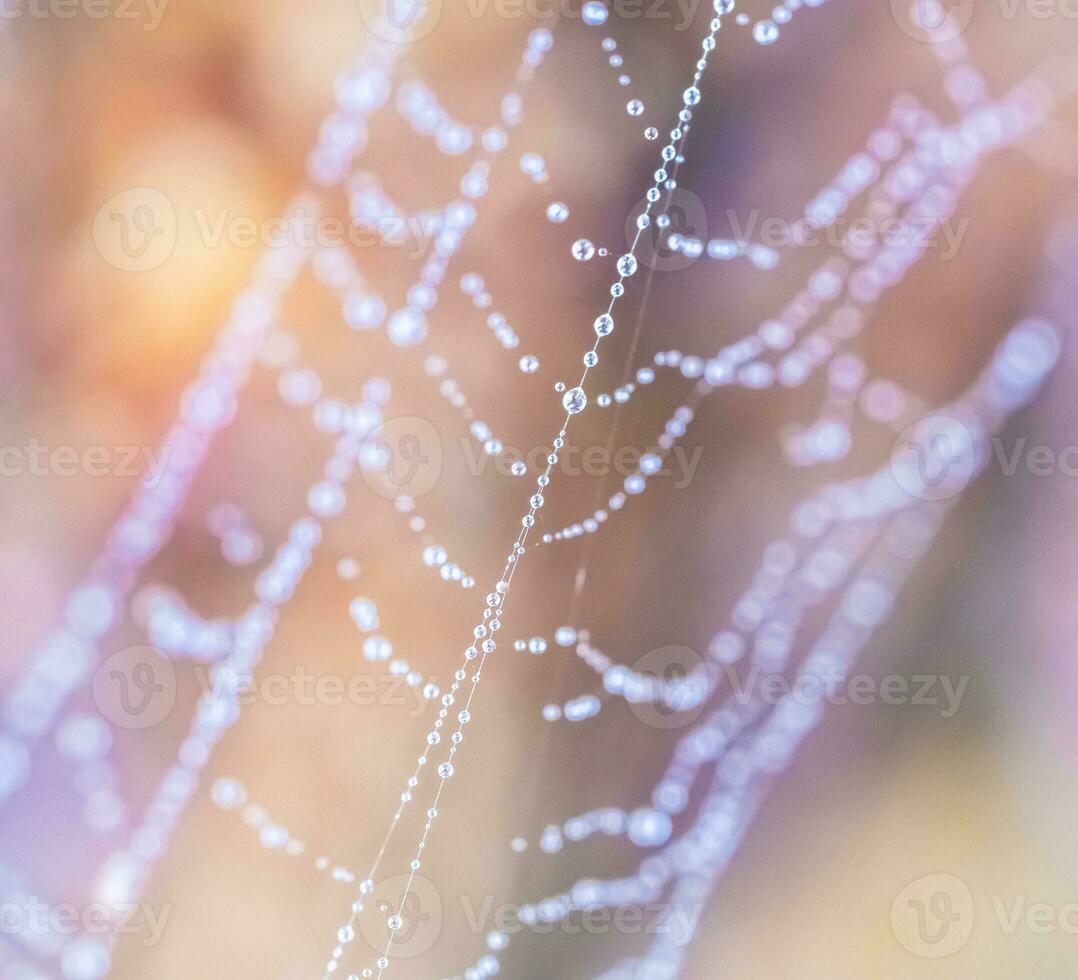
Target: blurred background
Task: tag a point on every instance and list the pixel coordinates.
(216, 106)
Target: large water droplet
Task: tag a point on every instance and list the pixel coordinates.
(407, 327)
(574, 400)
(582, 250)
(765, 32)
(557, 212)
(594, 13)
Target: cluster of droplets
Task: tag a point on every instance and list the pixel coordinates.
(64, 660)
(208, 405)
(766, 30)
(532, 164)
(651, 464)
(882, 523)
(436, 367)
(176, 630)
(240, 543)
(94, 607)
(445, 230)
(418, 104)
(858, 541)
(84, 742)
(434, 555)
(230, 794)
(761, 256)
(934, 169)
(473, 286)
(574, 401)
(634, 107)
(922, 173)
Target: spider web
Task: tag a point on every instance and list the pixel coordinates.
(851, 546)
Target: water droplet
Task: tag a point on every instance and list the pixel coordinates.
(594, 13)
(765, 32)
(534, 166)
(348, 568)
(574, 400)
(604, 324)
(557, 212)
(407, 327)
(364, 614)
(649, 828)
(583, 250)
